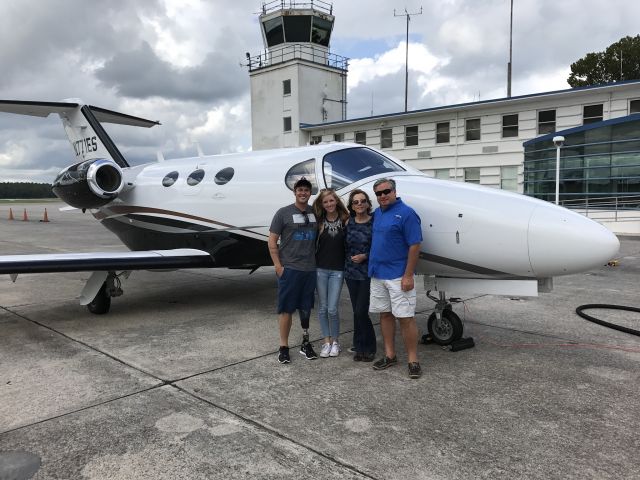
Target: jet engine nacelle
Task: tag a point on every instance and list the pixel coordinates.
(89, 184)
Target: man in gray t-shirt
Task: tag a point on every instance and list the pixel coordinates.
(294, 226)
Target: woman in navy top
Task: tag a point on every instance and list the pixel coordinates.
(357, 246)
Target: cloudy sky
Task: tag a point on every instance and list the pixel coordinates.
(179, 62)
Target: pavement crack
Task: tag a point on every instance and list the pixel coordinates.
(278, 434)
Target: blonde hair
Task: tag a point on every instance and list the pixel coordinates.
(319, 211)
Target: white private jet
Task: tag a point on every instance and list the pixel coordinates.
(215, 211)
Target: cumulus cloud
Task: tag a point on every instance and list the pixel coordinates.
(178, 61)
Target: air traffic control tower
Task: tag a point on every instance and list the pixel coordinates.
(295, 79)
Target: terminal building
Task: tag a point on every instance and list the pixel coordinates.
(298, 97)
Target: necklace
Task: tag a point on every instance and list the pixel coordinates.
(332, 227)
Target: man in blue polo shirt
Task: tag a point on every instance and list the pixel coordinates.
(395, 247)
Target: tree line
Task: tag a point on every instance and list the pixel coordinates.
(25, 190)
(619, 61)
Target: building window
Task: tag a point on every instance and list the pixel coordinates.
(361, 138)
(472, 175)
(510, 125)
(634, 106)
(286, 87)
(411, 136)
(591, 113)
(509, 178)
(315, 139)
(338, 137)
(442, 132)
(472, 129)
(442, 174)
(286, 124)
(546, 121)
(386, 138)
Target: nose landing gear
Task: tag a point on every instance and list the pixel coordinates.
(444, 325)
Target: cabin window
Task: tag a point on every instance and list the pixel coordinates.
(442, 132)
(195, 177)
(306, 169)
(170, 179)
(592, 113)
(472, 129)
(386, 138)
(224, 175)
(510, 125)
(546, 121)
(411, 136)
(343, 167)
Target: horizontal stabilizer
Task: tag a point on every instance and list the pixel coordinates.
(105, 261)
(44, 109)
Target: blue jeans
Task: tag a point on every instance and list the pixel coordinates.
(364, 336)
(329, 286)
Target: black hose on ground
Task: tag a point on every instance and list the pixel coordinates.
(606, 306)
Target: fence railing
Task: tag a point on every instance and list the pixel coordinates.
(297, 52)
(317, 5)
(608, 209)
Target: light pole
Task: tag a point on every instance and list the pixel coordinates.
(558, 142)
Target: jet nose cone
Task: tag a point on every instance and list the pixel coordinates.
(563, 242)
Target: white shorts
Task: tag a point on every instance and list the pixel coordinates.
(388, 296)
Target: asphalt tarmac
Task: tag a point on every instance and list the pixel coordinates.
(181, 380)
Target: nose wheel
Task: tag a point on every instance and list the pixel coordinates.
(444, 325)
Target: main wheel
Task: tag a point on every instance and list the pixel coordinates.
(102, 301)
(448, 330)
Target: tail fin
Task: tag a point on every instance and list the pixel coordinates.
(82, 124)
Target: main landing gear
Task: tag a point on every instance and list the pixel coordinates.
(112, 287)
(444, 326)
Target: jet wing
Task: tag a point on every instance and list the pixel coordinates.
(105, 261)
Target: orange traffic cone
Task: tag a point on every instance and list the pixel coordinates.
(24, 216)
(46, 217)
(11, 214)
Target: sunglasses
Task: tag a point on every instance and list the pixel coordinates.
(386, 191)
(359, 202)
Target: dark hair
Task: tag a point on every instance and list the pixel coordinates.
(303, 182)
(353, 194)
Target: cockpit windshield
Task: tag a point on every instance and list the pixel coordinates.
(343, 167)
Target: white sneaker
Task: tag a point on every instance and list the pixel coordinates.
(326, 350)
(335, 350)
